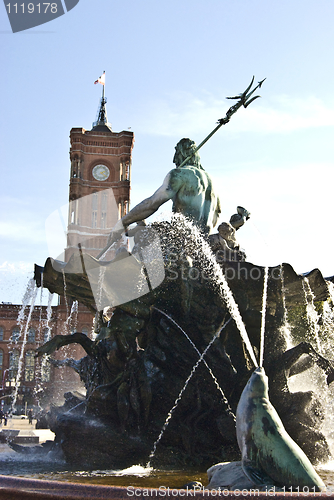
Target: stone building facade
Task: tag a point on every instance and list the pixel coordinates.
(36, 381)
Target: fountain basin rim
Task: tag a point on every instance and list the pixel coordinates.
(34, 489)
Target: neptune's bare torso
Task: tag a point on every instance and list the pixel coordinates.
(193, 195)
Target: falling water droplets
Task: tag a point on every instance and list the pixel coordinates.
(311, 312)
(200, 250)
(33, 294)
(286, 328)
(43, 370)
(71, 322)
(201, 356)
(21, 318)
(263, 315)
(65, 293)
(178, 399)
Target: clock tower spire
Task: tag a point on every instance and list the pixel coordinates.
(102, 120)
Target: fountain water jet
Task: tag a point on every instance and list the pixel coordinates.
(286, 329)
(44, 366)
(204, 352)
(263, 315)
(72, 319)
(65, 294)
(330, 286)
(204, 250)
(24, 341)
(178, 399)
(30, 290)
(311, 312)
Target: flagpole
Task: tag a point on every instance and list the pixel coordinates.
(102, 113)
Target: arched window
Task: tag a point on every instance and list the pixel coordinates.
(46, 334)
(1, 364)
(31, 335)
(94, 209)
(95, 198)
(29, 373)
(1, 333)
(13, 364)
(15, 334)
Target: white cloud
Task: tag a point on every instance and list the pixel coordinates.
(286, 114)
(182, 114)
(12, 268)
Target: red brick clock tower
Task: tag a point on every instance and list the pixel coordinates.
(100, 177)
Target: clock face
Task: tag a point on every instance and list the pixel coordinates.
(101, 172)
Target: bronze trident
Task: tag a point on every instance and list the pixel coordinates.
(243, 100)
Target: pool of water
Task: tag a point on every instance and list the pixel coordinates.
(37, 467)
(130, 477)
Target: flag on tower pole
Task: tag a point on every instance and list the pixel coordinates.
(101, 79)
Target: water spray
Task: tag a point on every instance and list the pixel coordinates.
(178, 399)
(263, 314)
(201, 356)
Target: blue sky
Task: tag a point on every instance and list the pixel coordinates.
(169, 67)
